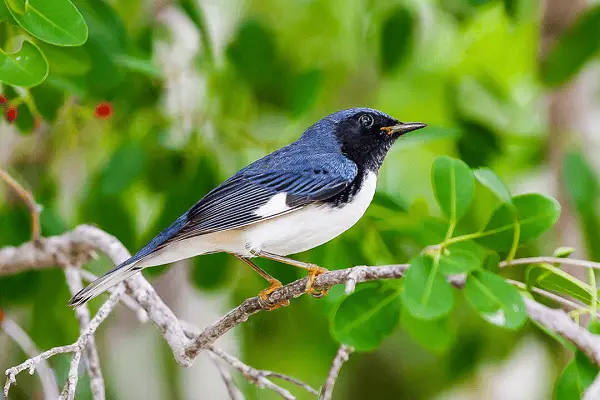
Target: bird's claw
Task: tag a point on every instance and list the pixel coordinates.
(264, 296)
(313, 272)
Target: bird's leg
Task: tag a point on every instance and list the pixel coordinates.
(313, 270)
(274, 284)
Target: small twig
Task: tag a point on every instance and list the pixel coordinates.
(551, 260)
(571, 304)
(47, 377)
(341, 357)
(75, 348)
(253, 375)
(73, 277)
(32, 206)
(232, 389)
(343, 353)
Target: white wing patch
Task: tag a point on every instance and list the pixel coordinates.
(275, 205)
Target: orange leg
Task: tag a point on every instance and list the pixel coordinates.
(274, 284)
(313, 270)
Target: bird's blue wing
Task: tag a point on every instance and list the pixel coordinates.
(235, 203)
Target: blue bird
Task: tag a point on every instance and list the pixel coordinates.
(292, 200)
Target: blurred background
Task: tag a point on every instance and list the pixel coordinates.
(129, 147)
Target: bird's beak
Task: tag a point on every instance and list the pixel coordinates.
(403, 127)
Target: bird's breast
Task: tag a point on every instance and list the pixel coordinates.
(312, 225)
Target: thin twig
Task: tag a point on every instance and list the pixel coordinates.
(344, 351)
(341, 357)
(232, 389)
(571, 304)
(32, 206)
(47, 377)
(75, 348)
(252, 374)
(551, 260)
(92, 361)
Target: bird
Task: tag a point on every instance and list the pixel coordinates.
(292, 200)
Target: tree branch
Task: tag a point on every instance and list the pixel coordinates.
(78, 244)
(14, 331)
(92, 361)
(32, 206)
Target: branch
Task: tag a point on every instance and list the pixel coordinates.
(593, 391)
(73, 277)
(78, 244)
(232, 389)
(343, 353)
(76, 348)
(288, 292)
(32, 206)
(14, 331)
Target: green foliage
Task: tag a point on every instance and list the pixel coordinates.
(576, 46)
(552, 278)
(427, 294)
(535, 214)
(26, 67)
(495, 300)
(459, 262)
(491, 181)
(56, 21)
(435, 335)
(364, 318)
(454, 186)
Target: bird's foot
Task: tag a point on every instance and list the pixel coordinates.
(264, 296)
(313, 272)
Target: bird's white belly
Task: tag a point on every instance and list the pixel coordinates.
(310, 226)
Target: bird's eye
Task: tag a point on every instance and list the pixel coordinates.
(366, 120)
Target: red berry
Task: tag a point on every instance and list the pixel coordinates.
(2, 99)
(1, 315)
(104, 110)
(11, 113)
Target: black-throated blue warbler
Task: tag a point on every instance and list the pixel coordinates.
(294, 199)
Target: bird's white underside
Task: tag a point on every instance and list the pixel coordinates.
(289, 233)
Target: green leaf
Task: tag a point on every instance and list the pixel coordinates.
(458, 262)
(491, 181)
(454, 186)
(581, 182)
(126, 164)
(67, 61)
(563, 252)
(576, 46)
(25, 120)
(4, 13)
(536, 214)
(491, 260)
(57, 21)
(140, 65)
(26, 67)
(551, 278)
(366, 317)
(396, 38)
(577, 376)
(495, 299)
(435, 335)
(426, 294)
(48, 100)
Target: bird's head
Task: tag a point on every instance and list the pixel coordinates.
(366, 135)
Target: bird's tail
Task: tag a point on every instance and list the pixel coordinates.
(105, 282)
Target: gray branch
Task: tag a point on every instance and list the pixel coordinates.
(92, 361)
(78, 244)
